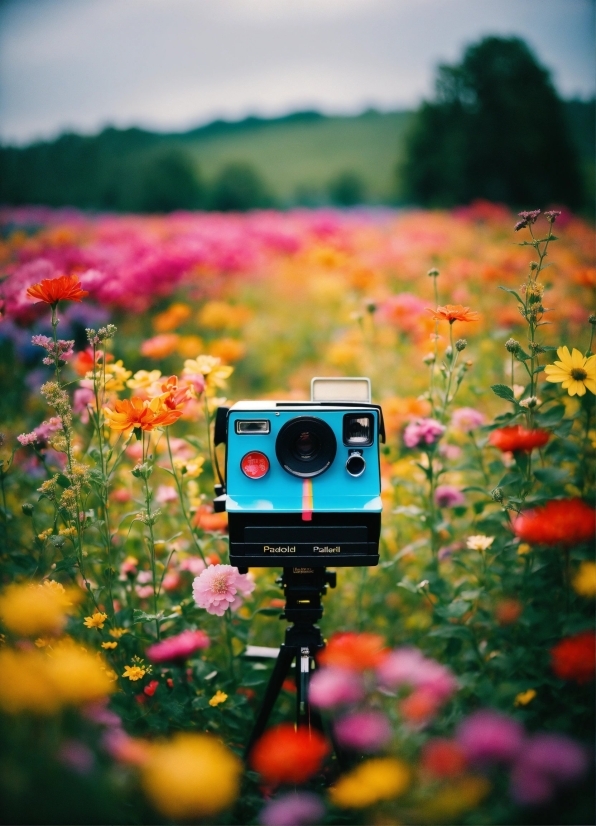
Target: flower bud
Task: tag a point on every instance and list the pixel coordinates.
(27, 508)
(429, 358)
(533, 265)
(461, 344)
(371, 307)
(512, 346)
(449, 352)
(592, 318)
(433, 273)
(497, 494)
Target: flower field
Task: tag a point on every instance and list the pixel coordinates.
(457, 681)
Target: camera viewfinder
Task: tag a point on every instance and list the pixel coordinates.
(253, 427)
(358, 429)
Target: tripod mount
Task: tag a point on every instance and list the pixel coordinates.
(303, 590)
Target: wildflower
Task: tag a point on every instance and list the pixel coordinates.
(220, 587)
(213, 371)
(151, 688)
(160, 347)
(144, 379)
(584, 582)
(480, 542)
(288, 755)
(423, 433)
(453, 312)
(466, 419)
(381, 778)
(53, 290)
(192, 776)
(407, 666)
(57, 351)
(96, 620)
(551, 215)
(116, 376)
(332, 686)
(574, 658)
(516, 438)
(136, 671)
(28, 610)
(527, 218)
(363, 731)
(109, 645)
(117, 633)
(512, 346)
(443, 758)
(564, 522)
(139, 413)
(487, 736)
(574, 371)
(446, 496)
(355, 652)
(171, 318)
(524, 698)
(293, 809)
(508, 611)
(218, 698)
(546, 763)
(179, 647)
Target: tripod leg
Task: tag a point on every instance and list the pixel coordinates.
(280, 672)
(306, 715)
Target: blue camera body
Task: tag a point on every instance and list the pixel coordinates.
(302, 482)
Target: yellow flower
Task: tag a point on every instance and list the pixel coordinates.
(108, 645)
(214, 372)
(192, 468)
(584, 582)
(45, 534)
(69, 532)
(77, 675)
(134, 672)
(479, 542)
(29, 610)
(97, 620)
(523, 549)
(382, 778)
(218, 698)
(450, 802)
(574, 371)
(116, 376)
(117, 632)
(191, 776)
(143, 379)
(524, 697)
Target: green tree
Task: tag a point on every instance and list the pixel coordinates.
(237, 188)
(496, 129)
(347, 189)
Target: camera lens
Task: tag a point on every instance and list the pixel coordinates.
(305, 446)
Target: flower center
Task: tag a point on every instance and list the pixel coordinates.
(220, 584)
(579, 374)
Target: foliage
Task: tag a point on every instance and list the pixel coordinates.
(237, 188)
(495, 130)
(458, 676)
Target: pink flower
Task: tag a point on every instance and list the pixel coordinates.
(545, 763)
(487, 736)
(165, 494)
(446, 496)
(423, 433)
(467, 419)
(77, 756)
(331, 687)
(293, 809)
(409, 667)
(365, 731)
(171, 581)
(178, 648)
(82, 398)
(220, 587)
(193, 564)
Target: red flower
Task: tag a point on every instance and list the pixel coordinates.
(574, 658)
(53, 290)
(353, 651)
(518, 438)
(288, 755)
(151, 688)
(559, 522)
(443, 757)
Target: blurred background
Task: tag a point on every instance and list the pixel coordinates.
(158, 105)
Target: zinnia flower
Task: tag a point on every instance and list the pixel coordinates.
(96, 620)
(409, 667)
(355, 652)
(53, 290)
(518, 438)
(560, 522)
(423, 433)
(363, 731)
(381, 778)
(293, 809)
(584, 582)
(467, 419)
(453, 312)
(574, 658)
(447, 496)
(178, 648)
(288, 755)
(574, 371)
(220, 587)
(331, 687)
(546, 762)
(443, 758)
(487, 736)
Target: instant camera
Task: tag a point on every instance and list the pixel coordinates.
(303, 478)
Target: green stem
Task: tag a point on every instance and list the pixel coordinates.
(228, 616)
(149, 524)
(182, 502)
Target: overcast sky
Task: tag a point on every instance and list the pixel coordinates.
(173, 64)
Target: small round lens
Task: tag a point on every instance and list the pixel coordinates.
(306, 446)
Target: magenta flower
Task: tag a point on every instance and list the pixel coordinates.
(409, 667)
(467, 419)
(364, 731)
(446, 496)
(545, 763)
(487, 736)
(220, 587)
(423, 433)
(178, 648)
(293, 809)
(331, 687)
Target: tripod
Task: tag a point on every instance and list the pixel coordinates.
(303, 589)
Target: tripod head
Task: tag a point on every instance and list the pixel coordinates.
(303, 589)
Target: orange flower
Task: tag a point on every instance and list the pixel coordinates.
(518, 438)
(53, 290)
(574, 658)
(209, 521)
(140, 413)
(353, 651)
(288, 755)
(508, 611)
(443, 757)
(160, 347)
(560, 522)
(175, 397)
(454, 312)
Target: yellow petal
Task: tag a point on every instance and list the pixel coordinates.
(591, 385)
(577, 358)
(564, 354)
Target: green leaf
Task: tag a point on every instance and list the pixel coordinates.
(551, 475)
(552, 417)
(66, 564)
(512, 292)
(141, 616)
(503, 392)
(63, 481)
